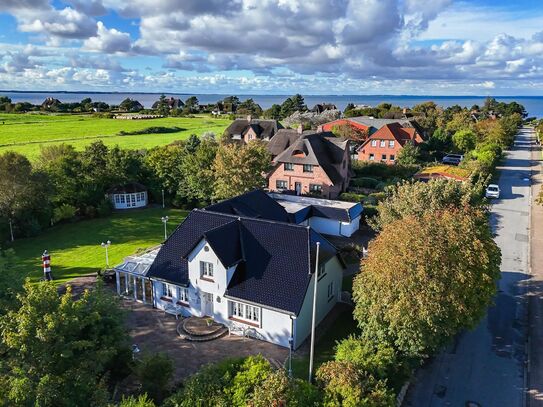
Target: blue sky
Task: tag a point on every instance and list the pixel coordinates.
(427, 47)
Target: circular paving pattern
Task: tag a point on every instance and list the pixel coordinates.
(201, 326)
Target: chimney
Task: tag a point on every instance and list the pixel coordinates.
(300, 129)
(249, 118)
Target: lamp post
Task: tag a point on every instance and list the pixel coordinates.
(165, 221)
(163, 206)
(105, 246)
(290, 343)
(313, 316)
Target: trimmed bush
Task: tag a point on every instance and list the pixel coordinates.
(381, 170)
(352, 197)
(364, 182)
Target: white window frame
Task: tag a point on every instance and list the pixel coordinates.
(331, 289)
(321, 271)
(281, 184)
(183, 294)
(288, 166)
(206, 270)
(315, 188)
(167, 290)
(383, 143)
(392, 158)
(308, 168)
(374, 143)
(245, 312)
(371, 157)
(391, 143)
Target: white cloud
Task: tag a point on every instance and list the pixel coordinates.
(108, 41)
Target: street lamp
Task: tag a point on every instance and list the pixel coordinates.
(290, 343)
(165, 221)
(105, 246)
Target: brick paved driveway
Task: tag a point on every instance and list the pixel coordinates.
(153, 331)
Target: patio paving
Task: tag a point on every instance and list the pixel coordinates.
(153, 331)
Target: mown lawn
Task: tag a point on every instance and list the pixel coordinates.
(26, 133)
(75, 247)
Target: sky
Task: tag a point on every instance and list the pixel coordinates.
(357, 47)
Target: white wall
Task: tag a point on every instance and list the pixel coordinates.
(334, 273)
(274, 326)
(334, 227)
(117, 204)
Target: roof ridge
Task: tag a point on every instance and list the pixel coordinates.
(238, 217)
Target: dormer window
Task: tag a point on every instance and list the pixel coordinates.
(206, 270)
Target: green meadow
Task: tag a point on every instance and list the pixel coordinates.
(75, 247)
(27, 133)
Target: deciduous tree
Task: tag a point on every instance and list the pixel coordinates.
(240, 168)
(61, 351)
(426, 278)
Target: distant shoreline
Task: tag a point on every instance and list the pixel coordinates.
(89, 92)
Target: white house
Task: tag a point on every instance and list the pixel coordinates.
(247, 272)
(326, 216)
(133, 195)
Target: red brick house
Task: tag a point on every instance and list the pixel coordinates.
(309, 163)
(385, 144)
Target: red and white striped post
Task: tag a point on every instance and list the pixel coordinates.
(46, 259)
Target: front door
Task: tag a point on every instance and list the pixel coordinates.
(298, 188)
(207, 304)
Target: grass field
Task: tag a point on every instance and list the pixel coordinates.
(26, 133)
(75, 247)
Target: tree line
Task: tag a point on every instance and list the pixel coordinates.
(65, 184)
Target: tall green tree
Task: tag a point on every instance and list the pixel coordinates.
(427, 278)
(417, 198)
(240, 168)
(198, 173)
(21, 189)
(409, 154)
(464, 140)
(61, 351)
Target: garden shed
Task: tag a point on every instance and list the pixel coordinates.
(127, 196)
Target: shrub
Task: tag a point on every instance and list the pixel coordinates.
(64, 212)
(379, 196)
(154, 373)
(343, 384)
(365, 182)
(376, 359)
(369, 212)
(383, 171)
(151, 130)
(105, 207)
(351, 197)
(141, 401)
(253, 372)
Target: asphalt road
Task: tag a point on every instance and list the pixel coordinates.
(486, 365)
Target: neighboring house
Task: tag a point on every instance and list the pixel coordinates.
(322, 107)
(316, 163)
(50, 103)
(172, 103)
(127, 196)
(371, 124)
(241, 270)
(386, 143)
(252, 129)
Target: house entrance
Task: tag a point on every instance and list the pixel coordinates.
(207, 304)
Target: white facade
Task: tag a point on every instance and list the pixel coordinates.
(334, 227)
(129, 200)
(206, 297)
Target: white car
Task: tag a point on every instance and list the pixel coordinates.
(492, 191)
